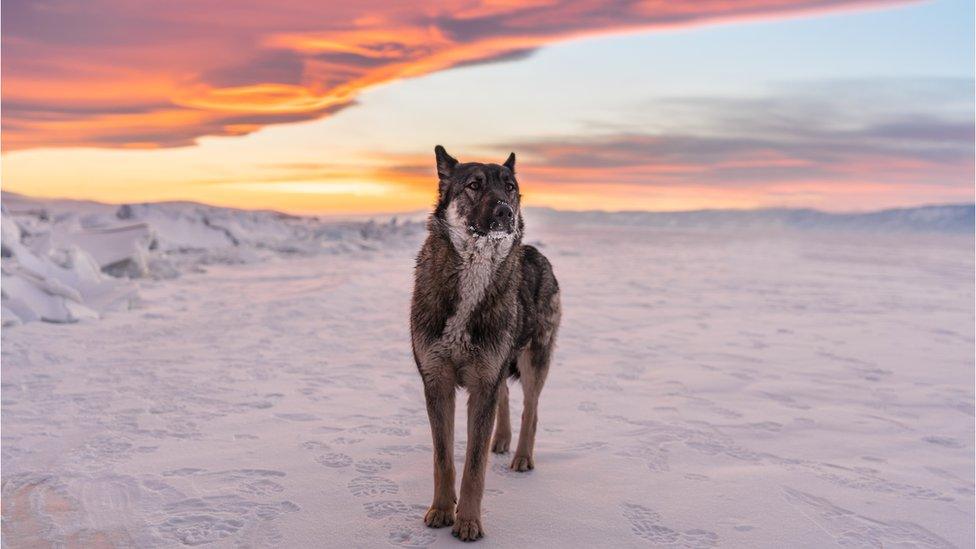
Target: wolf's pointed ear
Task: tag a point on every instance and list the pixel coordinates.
(510, 163)
(445, 163)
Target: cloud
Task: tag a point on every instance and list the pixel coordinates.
(907, 140)
(113, 73)
(843, 150)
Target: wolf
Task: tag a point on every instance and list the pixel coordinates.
(485, 307)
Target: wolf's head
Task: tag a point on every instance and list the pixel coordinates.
(477, 201)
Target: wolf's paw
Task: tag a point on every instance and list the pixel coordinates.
(501, 444)
(522, 464)
(468, 529)
(439, 518)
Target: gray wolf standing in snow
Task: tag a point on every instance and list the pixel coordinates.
(485, 307)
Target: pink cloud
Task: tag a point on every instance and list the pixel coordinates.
(112, 73)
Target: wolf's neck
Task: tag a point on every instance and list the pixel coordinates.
(479, 264)
(480, 260)
(478, 253)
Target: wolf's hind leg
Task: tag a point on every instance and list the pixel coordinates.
(533, 367)
(503, 422)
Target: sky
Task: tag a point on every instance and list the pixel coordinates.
(335, 107)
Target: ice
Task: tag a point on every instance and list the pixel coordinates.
(61, 283)
(121, 250)
(66, 261)
(753, 385)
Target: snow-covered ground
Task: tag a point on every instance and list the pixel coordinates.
(754, 383)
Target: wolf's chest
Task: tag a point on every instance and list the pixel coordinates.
(472, 285)
(477, 272)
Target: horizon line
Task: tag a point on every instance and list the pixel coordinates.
(972, 204)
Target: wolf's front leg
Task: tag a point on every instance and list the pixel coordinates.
(481, 419)
(439, 392)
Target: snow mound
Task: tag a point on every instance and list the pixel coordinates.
(188, 227)
(65, 261)
(53, 278)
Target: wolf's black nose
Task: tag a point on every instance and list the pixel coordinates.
(502, 213)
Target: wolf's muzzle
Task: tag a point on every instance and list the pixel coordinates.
(502, 217)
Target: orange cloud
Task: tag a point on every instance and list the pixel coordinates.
(111, 73)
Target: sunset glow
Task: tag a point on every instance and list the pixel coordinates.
(335, 107)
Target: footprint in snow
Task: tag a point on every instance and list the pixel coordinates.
(372, 466)
(385, 508)
(314, 445)
(588, 406)
(347, 440)
(335, 460)
(297, 417)
(946, 442)
(647, 525)
(412, 536)
(372, 485)
(851, 529)
(261, 487)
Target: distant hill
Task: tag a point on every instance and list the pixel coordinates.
(950, 218)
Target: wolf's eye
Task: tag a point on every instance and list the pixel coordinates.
(509, 187)
(474, 185)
